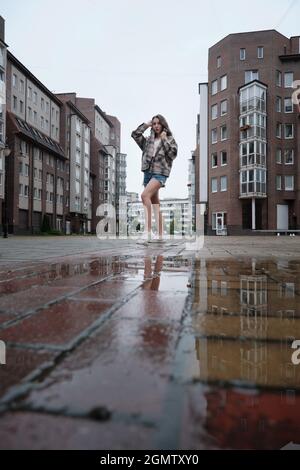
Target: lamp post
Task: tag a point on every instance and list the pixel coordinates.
(6, 152)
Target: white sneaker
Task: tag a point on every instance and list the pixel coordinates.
(144, 238)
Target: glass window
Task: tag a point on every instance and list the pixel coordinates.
(278, 78)
(251, 75)
(242, 54)
(214, 136)
(223, 183)
(214, 185)
(288, 131)
(223, 107)
(214, 160)
(219, 62)
(288, 79)
(289, 182)
(288, 105)
(278, 130)
(289, 156)
(260, 52)
(224, 82)
(224, 132)
(278, 156)
(214, 111)
(223, 158)
(214, 87)
(278, 104)
(278, 182)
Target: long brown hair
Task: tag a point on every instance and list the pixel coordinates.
(163, 122)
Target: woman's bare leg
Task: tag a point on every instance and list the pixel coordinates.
(157, 213)
(151, 188)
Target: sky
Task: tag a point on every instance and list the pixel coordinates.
(137, 58)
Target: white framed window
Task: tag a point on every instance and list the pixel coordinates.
(223, 82)
(242, 54)
(214, 111)
(278, 104)
(214, 185)
(288, 105)
(214, 160)
(278, 78)
(289, 182)
(251, 75)
(223, 158)
(219, 62)
(223, 107)
(278, 156)
(20, 189)
(289, 131)
(278, 130)
(223, 181)
(214, 136)
(289, 156)
(260, 52)
(278, 182)
(288, 79)
(214, 87)
(224, 132)
(15, 80)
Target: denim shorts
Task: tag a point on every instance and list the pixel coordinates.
(148, 175)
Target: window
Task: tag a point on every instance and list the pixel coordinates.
(21, 106)
(289, 182)
(251, 75)
(278, 156)
(214, 185)
(214, 87)
(278, 78)
(223, 183)
(288, 105)
(289, 131)
(35, 116)
(214, 111)
(214, 160)
(223, 107)
(223, 158)
(260, 52)
(26, 169)
(35, 97)
(223, 82)
(289, 157)
(15, 102)
(42, 103)
(288, 79)
(20, 190)
(219, 62)
(26, 190)
(20, 168)
(15, 80)
(278, 104)
(214, 136)
(223, 132)
(278, 130)
(278, 182)
(242, 54)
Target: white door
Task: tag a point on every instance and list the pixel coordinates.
(282, 216)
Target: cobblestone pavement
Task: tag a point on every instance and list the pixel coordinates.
(114, 345)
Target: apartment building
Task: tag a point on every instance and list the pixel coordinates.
(37, 168)
(3, 49)
(248, 171)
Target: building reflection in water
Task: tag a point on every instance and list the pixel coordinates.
(245, 318)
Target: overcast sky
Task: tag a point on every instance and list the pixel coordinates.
(136, 58)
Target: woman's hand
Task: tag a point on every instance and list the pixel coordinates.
(163, 135)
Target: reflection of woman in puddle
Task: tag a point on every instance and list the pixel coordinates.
(152, 280)
(155, 332)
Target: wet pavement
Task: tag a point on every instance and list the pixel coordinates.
(111, 345)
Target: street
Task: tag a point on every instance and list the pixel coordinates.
(111, 345)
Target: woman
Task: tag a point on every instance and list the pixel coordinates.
(159, 151)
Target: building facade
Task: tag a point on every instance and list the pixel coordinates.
(249, 134)
(36, 167)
